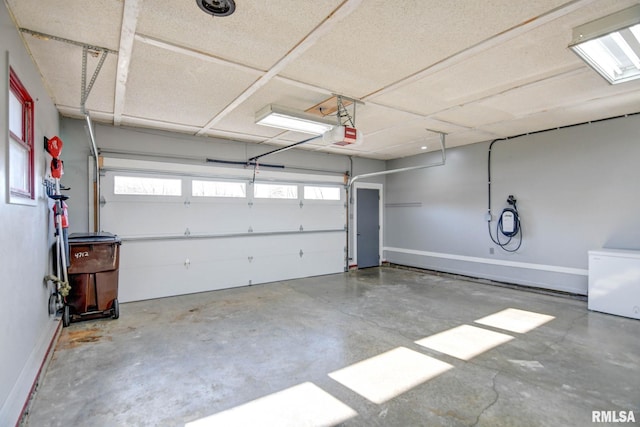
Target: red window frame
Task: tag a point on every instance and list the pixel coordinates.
(27, 141)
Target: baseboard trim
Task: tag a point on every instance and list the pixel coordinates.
(503, 263)
(16, 406)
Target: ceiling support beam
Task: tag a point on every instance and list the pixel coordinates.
(344, 10)
(127, 36)
(171, 47)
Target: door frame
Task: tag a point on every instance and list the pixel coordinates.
(354, 216)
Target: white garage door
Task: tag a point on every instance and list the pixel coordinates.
(198, 228)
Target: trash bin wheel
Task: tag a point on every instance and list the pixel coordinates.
(53, 304)
(66, 316)
(115, 309)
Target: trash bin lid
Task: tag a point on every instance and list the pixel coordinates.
(99, 237)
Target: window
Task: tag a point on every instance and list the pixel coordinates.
(218, 189)
(21, 152)
(275, 191)
(321, 193)
(135, 185)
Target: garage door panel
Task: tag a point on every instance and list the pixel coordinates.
(217, 219)
(144, 219)
(317, 216)
(148, 270)
(188, 244)
(275, 216)
(323, 255)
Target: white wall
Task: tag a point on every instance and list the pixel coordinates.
(577, 189)
(27, 329)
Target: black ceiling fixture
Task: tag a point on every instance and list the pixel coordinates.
(217, 7)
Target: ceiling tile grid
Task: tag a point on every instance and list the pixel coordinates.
(474, 69)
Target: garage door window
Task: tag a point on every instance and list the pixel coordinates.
(142, 186)
(218, 189)
(321, 193)
(275, 191)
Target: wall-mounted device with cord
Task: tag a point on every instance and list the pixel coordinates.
(508, 226)
(509, 222)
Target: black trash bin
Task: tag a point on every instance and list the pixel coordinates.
(93, 276)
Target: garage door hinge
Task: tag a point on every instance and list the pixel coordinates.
(301, 253)
(301, 204)
(250, 204)
(250, 230)
(250, 259)
(187, 232)
(187, 203)
(301, 228)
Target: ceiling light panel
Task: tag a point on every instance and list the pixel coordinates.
(282, 118)
(611, 45)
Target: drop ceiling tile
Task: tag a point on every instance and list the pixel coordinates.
(96, 22)
(568, 89)
(611, 106)
(258, 33)
(175, 88)
(379, 44)
(473, 115)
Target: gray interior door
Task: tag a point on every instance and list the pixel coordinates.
(368, 218)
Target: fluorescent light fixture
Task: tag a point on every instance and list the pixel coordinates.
(611, 45)
(282, 118)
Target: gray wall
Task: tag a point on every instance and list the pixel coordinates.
(577, 190)
(27, 233)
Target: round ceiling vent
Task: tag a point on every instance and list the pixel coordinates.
(217, 7)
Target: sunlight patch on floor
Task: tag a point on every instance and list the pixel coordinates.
(464, 342)
(383, 377)
(302, 405)
(514, 320)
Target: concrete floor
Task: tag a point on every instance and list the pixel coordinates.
(174, 361)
